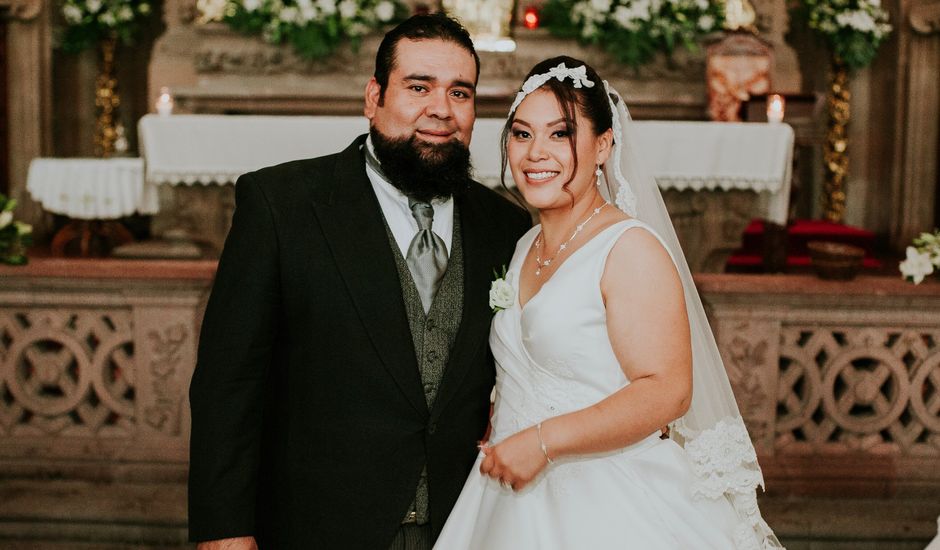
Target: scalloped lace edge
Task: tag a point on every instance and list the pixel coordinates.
(725, 463)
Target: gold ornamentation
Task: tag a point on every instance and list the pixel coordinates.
(107, 100)
(835, 152)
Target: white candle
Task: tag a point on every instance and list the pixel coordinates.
(775, 108)
(164, 103)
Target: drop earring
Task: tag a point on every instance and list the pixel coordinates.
(599, 173)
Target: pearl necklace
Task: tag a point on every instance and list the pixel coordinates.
(539, 263)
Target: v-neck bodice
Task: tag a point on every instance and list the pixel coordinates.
(554, 354)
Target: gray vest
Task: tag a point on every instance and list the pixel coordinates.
(433, 334)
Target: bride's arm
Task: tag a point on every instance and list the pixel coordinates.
(649, 332)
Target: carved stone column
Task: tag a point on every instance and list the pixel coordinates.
(918, 123)
(29, 62)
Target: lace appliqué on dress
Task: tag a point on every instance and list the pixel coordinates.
(725, 462)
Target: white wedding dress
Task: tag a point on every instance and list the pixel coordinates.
(554, 356)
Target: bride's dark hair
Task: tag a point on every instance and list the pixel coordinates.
(593, 104)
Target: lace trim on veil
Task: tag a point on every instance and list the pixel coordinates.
(725, 462)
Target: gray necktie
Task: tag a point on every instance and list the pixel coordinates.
(427, 254)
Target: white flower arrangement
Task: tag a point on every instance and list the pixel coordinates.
(854, 29)
(315, 28)
(502, 294)
(923, 258)
(634, 31)
(87, 22)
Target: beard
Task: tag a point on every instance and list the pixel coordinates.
(423, 171)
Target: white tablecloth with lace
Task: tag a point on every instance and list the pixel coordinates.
(206, 149)
(91, 188)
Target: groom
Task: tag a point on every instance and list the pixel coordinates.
(343, 375)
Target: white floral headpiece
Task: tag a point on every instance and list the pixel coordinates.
(578, 76)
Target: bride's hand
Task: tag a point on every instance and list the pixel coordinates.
(515, 461)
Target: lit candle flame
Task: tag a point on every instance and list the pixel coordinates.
(164, 104)
(775, 108)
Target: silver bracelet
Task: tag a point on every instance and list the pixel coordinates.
(538, 431)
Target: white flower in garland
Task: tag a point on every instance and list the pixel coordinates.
(72, 14)
(706, 22)
(348, 9)
(125, 13)
(289, 14)
(327, 6)
(385, 11)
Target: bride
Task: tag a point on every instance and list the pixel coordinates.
(603, 343)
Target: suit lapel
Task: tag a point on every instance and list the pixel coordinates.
(352, 223)
(478, 257)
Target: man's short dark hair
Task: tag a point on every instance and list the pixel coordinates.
(433, 26)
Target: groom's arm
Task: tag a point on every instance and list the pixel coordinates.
(228, 387)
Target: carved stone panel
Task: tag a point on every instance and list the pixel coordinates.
(749, 349)
(67, 373)
(166, 358)
(870, 389)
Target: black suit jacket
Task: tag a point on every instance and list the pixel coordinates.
(309, 422)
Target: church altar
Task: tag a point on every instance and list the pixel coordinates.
(691, 161)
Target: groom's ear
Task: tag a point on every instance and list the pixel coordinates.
(373, 95)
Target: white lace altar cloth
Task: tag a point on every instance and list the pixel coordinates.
(206, 149)
(216, 149)
(91, 188)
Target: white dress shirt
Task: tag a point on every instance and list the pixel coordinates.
(398, 214)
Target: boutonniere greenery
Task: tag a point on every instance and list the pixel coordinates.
(501, 292)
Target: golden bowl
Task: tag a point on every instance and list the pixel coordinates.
(836, 261)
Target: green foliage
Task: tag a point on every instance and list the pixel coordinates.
(853, 29)
(88, 22)
(14, 236)
(634, 31)
(314, 29)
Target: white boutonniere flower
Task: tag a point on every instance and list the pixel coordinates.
(501, 292)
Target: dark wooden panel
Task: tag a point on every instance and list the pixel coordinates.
(4, 114)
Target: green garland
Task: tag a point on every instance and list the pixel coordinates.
(314, 29)
(634, 31)
(90, 21)
(853, 29)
